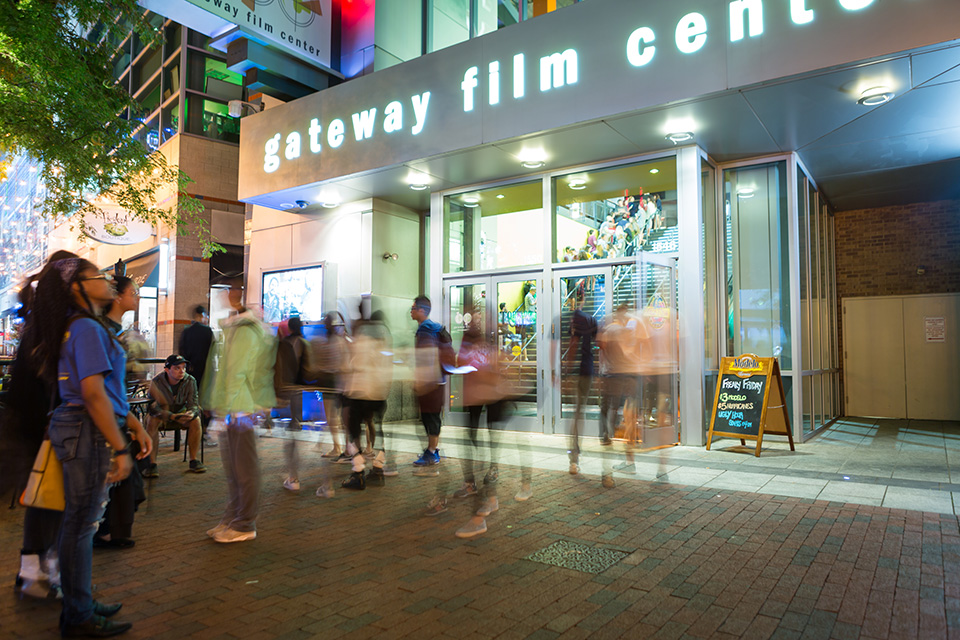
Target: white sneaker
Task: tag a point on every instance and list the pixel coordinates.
(229, 535)
(471, 529)
(574, 468)
(291, 484)
(425, 472)
(489, 506)
(325, 492)
(217, 529)
(525, 493)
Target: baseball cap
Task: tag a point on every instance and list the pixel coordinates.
(173, 361)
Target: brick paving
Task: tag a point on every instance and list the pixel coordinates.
(700, 563)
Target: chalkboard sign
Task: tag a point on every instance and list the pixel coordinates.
(749, 401)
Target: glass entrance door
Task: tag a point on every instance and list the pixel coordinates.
(503, 311)
(642, 294)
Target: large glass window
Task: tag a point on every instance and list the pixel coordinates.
(493, 228)
(757, 252)
(616, 213)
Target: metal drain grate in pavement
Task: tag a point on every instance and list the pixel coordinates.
(579, 557)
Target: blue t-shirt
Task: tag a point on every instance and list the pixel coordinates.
(87, 350)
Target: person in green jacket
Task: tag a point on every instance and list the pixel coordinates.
(241, 389)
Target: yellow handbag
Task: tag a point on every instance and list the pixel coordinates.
(45, 485)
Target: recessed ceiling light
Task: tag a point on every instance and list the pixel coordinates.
(745, 192)
(876, 95)
(677, 137)
(500, 196)
(419, 186)
(471, 201)
(532, 158)
(331, 204)
(654, 170)
(577, 184)
(532, 164)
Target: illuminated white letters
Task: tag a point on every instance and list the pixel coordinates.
(420, 104)
(494, 72)
(855, 5)
(558, 69)
(640, 49)
(335, 132)
(799, 12)
(519, 82)
(271, 162)
(469, 83)
(363, 124)
(754, 11)
(393, 117)
(292, 152)
(691, 32)
(314, 132)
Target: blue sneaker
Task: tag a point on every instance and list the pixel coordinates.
(427, 458)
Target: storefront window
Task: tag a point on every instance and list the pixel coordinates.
(448, 23)
(757, 248)
(616, 213)
(493, 228)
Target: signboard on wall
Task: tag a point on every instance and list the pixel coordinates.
(935, 329)
(548, 74)
(117, 227)
(300, 28)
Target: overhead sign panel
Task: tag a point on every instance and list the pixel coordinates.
(301, 28)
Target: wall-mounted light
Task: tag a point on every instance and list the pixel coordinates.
(677, 137)
(164, 264)
(876, 95)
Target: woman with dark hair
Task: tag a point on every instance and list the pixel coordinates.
(116, 528)
(75, 350)
(24, 424)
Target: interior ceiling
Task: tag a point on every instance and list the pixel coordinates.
(906, 150)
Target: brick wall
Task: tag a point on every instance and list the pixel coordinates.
(878, 252)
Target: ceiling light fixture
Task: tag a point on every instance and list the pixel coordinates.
(876, 96)
(532, 164)
(330, 204)
(419, 186)
(532, 158)
(577, 184)
(471, 201)
(654, 171)
(500, 196)
(745, 192)
(677, 137)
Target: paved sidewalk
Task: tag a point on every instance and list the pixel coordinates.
(687, 562)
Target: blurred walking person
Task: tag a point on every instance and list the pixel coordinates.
(292, 372)
(579, 353)
(328, 354)
(242, 390)
(367, 385)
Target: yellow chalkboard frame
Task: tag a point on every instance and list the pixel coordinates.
(773, 398)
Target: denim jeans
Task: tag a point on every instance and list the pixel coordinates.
(241, 465)
(86, 459)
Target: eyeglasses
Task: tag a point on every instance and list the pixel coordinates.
(102, 276)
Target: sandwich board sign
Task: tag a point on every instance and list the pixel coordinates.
(749, 401)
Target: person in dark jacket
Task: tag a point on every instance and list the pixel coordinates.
(194, 346)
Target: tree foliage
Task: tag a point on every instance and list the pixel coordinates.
(60, 104)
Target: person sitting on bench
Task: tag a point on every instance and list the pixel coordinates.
(175, 406)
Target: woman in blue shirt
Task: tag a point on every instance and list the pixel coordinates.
(88, 363)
